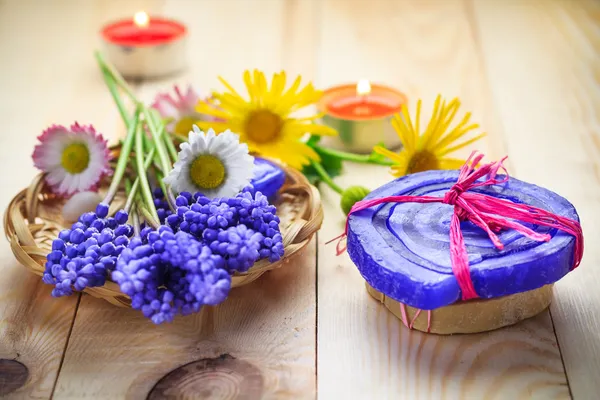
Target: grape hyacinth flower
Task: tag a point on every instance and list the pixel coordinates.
(167, 273)
(206, 219)
(257, 214)
(161, 204)
(83, 255)
(238, 244)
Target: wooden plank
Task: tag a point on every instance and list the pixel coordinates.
(261, 342)
(545, 65)
(363, 351)
(45, 76)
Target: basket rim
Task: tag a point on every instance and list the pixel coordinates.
(22, 222)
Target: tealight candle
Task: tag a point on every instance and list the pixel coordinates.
(144, 46)
(362, 114)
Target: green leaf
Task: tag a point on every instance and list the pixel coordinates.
(331, 164)
(376, 157)
(314, 139)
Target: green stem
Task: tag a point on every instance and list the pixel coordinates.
(123, 158)
(325, 177)
(134, 188)
(167, 138)
(165, 162)
(358, 158)
(116, 76)
(114, 91)
(139, 158)
(127, 186)
(150, 219)
(171, 148)
(158, 130)
(136, 221)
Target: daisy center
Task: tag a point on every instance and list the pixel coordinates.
(422, 161)
(185, 125)
(75, 158)
(263, 126)
(207, 172)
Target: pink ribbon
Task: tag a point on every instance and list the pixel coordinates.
(489, 213)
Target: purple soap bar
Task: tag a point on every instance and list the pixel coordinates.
(268, 177)
(403, 250)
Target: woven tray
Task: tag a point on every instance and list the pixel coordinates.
(34, 218)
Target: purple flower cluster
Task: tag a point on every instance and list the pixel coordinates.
(83, 255)
(167, 273)
(161, 204)
(241, 229)
(176, 269)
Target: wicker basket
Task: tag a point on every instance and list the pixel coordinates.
(34, 218)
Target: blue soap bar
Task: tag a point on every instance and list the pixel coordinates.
(268, 177)
(403, 251)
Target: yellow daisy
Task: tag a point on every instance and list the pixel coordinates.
(429, 150)
(263, 121)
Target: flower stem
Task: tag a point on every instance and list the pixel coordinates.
(116, 76)
(114, 91)
(325, 177)
(166, 190)
(123, 158)
(136, 183)
(165, 162)
(150, 219)
(166, 137)
(136, 221)
(358, 158)
(157, 128)
(143, 178)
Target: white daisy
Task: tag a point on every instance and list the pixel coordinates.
(215, 165)
(74, 160)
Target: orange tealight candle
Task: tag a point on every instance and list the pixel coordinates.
(361, 114)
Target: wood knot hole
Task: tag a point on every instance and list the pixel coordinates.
(223, 377)
(13, 375)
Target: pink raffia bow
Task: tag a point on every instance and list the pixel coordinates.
(489, 213)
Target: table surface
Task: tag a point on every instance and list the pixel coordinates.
(528, 70)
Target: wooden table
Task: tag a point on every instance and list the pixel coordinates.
(529, 71)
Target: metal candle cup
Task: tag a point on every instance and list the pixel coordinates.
(362, 116)
(145, 47)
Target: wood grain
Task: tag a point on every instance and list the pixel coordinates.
(546, 70)
(45, 75)
(425, 48)
(116, 353)
(261, 342)
(529, 71)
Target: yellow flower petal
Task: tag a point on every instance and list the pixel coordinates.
(272, 103)
(451, 163)
(407, 137)
(229, 87)
(422, 152)
(397, 157)
(460, 145)
(432, 123)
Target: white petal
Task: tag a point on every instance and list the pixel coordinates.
(56, 176)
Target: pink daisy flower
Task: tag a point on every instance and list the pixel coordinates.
(179, 110)
(74, 160)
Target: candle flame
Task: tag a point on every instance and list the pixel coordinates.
(363, 87)
(141, 19)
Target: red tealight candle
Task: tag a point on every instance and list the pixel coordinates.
(361, 114)
(145, 46)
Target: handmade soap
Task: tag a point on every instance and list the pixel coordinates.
(268, 177)
(402, 249)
